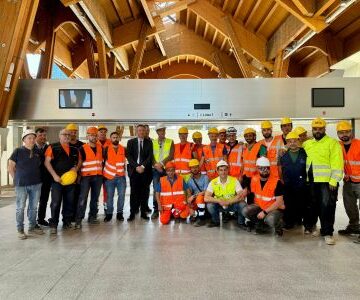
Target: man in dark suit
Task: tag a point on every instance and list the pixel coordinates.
(139, 153)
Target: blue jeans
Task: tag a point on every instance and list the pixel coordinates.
(215, 208)
(118, 183)
(89, 182)
(22, 192)
(156, 180)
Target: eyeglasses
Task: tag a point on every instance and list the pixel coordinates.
(65, 134)
(264, 168)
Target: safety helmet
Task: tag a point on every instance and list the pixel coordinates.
(183, 130)
(68, 178)
(300, 130)
(343, 126)
(71, 126)
(285, 121)
(197, 135)
(160, 126)
(292, 135)
(263, 162)
(28, 132)
(222, 130)
(249, 130)
(193, 163)
(102, 126)
(169, 165)
(213, 130)
(222, 163)
(318, 122)
(231, 130)
(92, 130)
(266, 125)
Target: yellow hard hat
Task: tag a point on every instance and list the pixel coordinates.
(249, 130)
(292, 135)
(300, 130)
(68, 177)
(222, 130)
(102, 126)
(266, 125)
(285, 121)
(183, 130)
(343, 126)
(318, 122)
(71, 126)
(213, 130)
(193, 162)
(197, 135)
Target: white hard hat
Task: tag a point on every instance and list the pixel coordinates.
(222, 163)
(27, 132)
(263, 162)
(159, 126)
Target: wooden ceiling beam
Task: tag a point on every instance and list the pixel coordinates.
(102, 56)
(171, 9)
(219, 64)
(306, 7)
(90, 51)
(135, 68)
(67, 3)
(316, 24)
(281, 66)
(238, 49)
(323, 5)
(47, 57)
(312, 53)
(238, 8)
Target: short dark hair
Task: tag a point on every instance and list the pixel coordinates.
(40, 130)
(114, 132)
(141, 125)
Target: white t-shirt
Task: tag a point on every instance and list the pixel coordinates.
(238, 187)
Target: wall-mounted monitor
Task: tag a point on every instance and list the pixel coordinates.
(328, 97)
(201, 106)
(75, 98)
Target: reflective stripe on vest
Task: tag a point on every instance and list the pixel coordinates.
(115, 162)
(273, 153)
(212, 159)
(249, 159)
(235, 161)
(172, 194)
(93, 163)
(264, 197)
(166, 146)
(182, 159)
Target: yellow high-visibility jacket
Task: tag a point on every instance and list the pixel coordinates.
(326, 159)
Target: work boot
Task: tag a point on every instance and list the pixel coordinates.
(213, 224)
(108, 218)
(35, 230)
(119, 216)
(67, 226)
(77, 225)
(155, 215)
(43, 222)
(93, 221)
(348, 230)
(22, 235)
(199, 222)
(53, 230)
(243, 226)
(329, 240)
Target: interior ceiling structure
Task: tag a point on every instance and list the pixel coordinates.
(194, 38)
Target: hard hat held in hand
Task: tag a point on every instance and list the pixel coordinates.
(68, 177)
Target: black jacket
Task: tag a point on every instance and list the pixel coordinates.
(132, 155)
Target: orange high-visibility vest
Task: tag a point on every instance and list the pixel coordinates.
(115, 162)
(212, 159)
(172, 194)
(235, 160)
(249, 160)
(352, 160)
(264, 197)
(93, 163)
(273, 152)
(182, 159)
(199, 153)
(106, 144)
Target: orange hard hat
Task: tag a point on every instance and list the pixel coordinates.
(92, 130)
(169, 165)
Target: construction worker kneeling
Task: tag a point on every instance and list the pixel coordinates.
(225, 194)
(171, 196)
(269, 203)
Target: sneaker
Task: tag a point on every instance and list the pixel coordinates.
(120, 217)
(348, 231)
(329, 240)
(43, 222)
(77, 225)
(93, 221)
(307, 231)
(36, 230)
(53, 230)
(199, 223)
(155, 215)
(213, 224)
(22, 235)
(67, 226)
(315, 233)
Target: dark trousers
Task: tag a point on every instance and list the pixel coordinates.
(273, 219)
(89, 182)
(65, 195)
(156, 175)
(297, 205)
(76, 200)
(44, 197)
(139, 192)
(323, 205)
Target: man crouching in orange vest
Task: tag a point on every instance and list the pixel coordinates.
(268, 194)
(171, 196)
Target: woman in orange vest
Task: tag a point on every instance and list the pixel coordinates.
(268, 194)
(171, 195)
(213, 153)
(91, 178)
(114, 173)
(182, 154)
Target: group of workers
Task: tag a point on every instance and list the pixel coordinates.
(274, 184)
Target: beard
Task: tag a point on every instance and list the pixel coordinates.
(318, 135)
(115, 143)
(267, 135)
(265, 176)
(345, 138)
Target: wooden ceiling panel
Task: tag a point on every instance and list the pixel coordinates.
(273, 21)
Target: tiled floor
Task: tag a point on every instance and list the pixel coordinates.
(144, 260)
